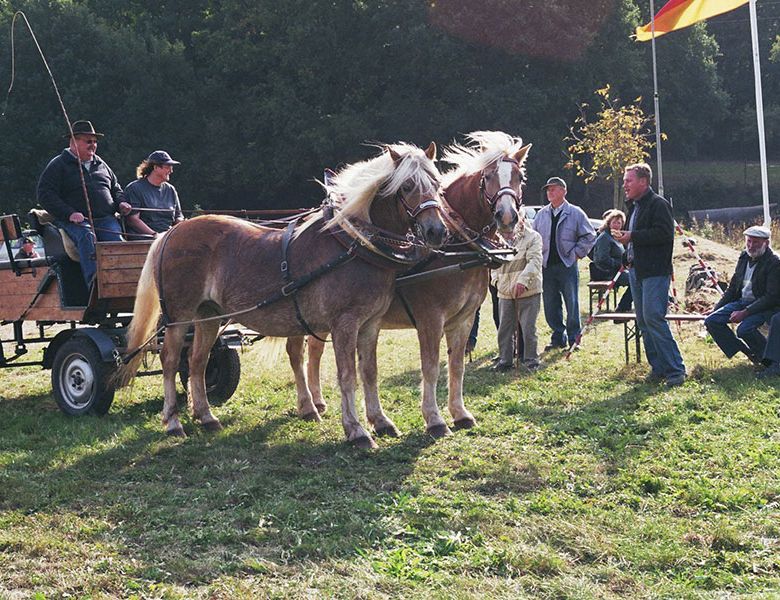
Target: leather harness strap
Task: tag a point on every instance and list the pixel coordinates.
(288, 278)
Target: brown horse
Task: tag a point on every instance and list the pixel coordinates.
(213, 266)
(483, 194)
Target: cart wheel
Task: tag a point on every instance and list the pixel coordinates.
(79, 379)
(223, 372)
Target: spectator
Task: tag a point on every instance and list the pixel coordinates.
(772, 350)
(61, 193)
(27, 250)
(154, 195)
(751, 299)
(567, 236)
(519, 284)
(608, 257)
(649, 243)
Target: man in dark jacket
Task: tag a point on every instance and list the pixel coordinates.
(751, 299)
(61, 193)
(649, 242)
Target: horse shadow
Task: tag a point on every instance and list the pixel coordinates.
(242, 494)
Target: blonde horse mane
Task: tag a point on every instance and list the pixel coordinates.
(356, 186)
(484, 148)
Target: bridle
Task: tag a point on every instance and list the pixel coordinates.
(415, 212)
(504, 191)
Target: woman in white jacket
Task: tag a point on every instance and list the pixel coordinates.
(519, 285)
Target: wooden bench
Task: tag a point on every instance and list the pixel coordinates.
(596, 290)
(631, 329)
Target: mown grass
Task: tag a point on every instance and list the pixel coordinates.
(580, 481)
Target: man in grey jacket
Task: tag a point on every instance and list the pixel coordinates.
(567, 236)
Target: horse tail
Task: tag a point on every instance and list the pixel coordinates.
(146, 313)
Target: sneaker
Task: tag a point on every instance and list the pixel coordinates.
(502, 367)
(675, 380)
(549, 347)
(495, 360)
(533, 367)
(772, 370)
(653, 377)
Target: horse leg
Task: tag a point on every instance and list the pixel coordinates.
(170, 356)
(366, 345)
(316, 348)
(306, 409)
(205, 335)
(457, 337)
(344, 346)
(430, 338)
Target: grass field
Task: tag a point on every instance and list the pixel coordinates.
(580, 481)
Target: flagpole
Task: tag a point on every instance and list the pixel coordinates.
(759, 112)
(659, 167)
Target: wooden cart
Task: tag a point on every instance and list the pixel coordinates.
(82, 330)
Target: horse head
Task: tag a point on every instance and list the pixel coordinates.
(485, 187)
(415, 183)
(502, 188)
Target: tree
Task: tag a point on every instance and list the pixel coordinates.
(619, 136)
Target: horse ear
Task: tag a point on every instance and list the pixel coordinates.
(521, 154)
(394, 155)
(430, 151)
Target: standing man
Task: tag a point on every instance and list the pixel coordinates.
(567, 236)
(751, 299)
(519, 284)
(153, 193)
(61, 193)
(649, 243)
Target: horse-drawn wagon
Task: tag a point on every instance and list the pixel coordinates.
(45, 302)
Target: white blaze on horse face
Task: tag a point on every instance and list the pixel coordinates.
(505, 211)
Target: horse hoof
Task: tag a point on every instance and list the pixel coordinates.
(312, 416)
(176, 432)
(321, 408)
(387, 430)
(212, 426)
(364, 443)
(464, 424)
(438, 431)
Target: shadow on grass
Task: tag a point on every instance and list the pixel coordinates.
(192, 509)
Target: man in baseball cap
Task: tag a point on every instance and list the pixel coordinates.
(751, 299)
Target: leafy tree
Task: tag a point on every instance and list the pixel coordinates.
(619, 136)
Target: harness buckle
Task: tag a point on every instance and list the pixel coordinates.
(286, 291)
(283, 266)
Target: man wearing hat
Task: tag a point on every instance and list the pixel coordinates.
(61, 193)
(27, 250)
(751, 299)
(567, 236)
(154, 195)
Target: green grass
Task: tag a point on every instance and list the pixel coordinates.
(580, 481)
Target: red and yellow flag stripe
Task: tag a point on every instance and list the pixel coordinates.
(677, 14)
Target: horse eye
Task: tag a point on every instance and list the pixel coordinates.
(407, 187)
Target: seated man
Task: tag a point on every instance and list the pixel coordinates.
(27, 250)
(751, 299)
(154, 195)
(61, 193)
(519, 284)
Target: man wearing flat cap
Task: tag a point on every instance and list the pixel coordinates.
(751, 299)
(567, 236)
(154, 200)
(27, 250)
(61, 193)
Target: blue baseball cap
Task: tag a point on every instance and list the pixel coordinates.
(161, 157)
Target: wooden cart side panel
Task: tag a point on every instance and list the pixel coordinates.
(119, 267)
(16, 293)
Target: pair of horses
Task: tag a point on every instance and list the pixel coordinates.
(214, 265)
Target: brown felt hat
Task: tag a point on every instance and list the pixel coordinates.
(84, 128)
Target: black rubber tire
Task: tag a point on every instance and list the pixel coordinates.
(223, 372)
(79, 379)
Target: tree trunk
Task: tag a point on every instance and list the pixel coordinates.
(617, 197)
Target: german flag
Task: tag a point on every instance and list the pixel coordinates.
(677, 14)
